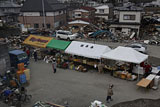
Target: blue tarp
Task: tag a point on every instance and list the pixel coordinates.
(16, 52)
(98, 32)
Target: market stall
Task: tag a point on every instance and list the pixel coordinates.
(59, 46)
(38, 42)
(125, 54)
(86, 53)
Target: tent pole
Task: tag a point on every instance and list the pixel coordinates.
(138, 74)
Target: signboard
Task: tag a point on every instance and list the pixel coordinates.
(38, 41)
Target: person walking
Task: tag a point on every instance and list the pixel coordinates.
(35, 55)
(54, 65)
(100, 67)
(109, 93)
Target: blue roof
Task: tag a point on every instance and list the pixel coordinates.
(16, 52)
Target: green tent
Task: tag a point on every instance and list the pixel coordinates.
(58, 44)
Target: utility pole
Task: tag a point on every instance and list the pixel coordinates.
(44, 20)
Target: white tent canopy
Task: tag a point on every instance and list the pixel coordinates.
(125, 54)
(88, 50)
(78, 22)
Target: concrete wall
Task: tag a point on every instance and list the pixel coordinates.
(31, 20)
(137, 16)
(4, 59)
(31, 14)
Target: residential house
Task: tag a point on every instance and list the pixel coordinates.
(104, 11)
(92, 4)
(9, 11)
(71, 6)
(115, 2)
(128, 21)
(152, 9)
(45, 14)
(84, 13)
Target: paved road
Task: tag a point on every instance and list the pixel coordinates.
(78, 88)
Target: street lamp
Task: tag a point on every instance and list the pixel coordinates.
(44, 20)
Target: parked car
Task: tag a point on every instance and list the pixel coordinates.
(62, 34)
(139, 47)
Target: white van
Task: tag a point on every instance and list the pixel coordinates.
(61, 34)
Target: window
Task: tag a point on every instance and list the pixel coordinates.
(101, 10)
(91, 47)
(78, 14)
(48, 25)
(82, 45)
(22, 56)
(43, 25)
(36, 25)
(86, 46)
(129, 17)
(41, 14)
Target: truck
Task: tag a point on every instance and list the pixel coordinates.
(18, 56)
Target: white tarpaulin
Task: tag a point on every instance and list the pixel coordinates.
(87, 49)
(125, 54)
(78, 22)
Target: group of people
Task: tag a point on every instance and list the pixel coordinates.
(147, 68)
(29, 53)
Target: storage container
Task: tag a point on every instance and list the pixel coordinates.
(19, 73)
(23, 78)
(21, 66)
(27, 73)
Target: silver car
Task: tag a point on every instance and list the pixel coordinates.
(139, 47)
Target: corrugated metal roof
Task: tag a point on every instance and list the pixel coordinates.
(129, 8)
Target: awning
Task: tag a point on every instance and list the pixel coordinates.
(125, 54)
(58, 44)
(88, 50)
(38, 41)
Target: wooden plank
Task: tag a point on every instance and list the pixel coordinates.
(144, 83)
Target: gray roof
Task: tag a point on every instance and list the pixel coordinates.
(7, 4)
(129, 8)
(36, 6)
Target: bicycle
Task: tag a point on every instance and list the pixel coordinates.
(25, 98)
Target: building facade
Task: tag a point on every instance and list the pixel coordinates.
(128, 21)
(9, 11)
(52, 17)
(84, 13)
(104, 11)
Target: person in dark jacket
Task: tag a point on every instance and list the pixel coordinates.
(35, 55)
(109, 93)
(54, 65)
